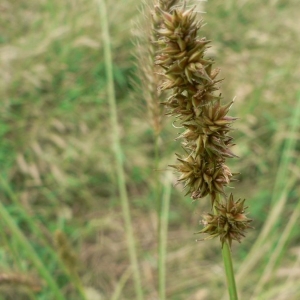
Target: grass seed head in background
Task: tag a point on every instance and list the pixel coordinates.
(16, 281)
(148, 72)
(197, 106)
(65, 251)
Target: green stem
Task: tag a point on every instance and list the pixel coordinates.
(30, 252)
(156, 177)
(163, 233)
(159, 205)
(226, 253)
(118, 151)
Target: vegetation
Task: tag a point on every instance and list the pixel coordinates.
(62, 226)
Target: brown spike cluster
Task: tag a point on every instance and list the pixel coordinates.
(190, 74)
(229, 221)
(202, 178)
(197, 106)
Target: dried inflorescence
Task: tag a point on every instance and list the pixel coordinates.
(202, 177)
(147, 71)
(197, 106)
(229, 221)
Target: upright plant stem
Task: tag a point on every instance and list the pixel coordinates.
(160, 228)
(117, 150)
(163, 232)
(226, 253)
(157, 194)
(156, 177)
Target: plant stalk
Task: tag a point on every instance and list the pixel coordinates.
(118, 151)
(163, 233)
(160, 261)
(156, 177)
(226, 253)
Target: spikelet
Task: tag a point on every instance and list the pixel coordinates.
(197, 105)
(229, 221)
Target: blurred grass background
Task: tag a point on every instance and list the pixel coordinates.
(57, 168)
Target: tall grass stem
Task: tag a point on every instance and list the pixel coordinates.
(156, 177)
(118, 151)
(163, 234)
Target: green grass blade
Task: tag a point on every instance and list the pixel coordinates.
(281, 188)
(284, 236)
(31, 252)
(34, 227)
(118, 291)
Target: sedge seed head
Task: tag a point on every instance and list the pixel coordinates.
(229, 222)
